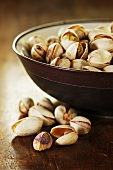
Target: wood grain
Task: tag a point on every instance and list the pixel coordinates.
(91, 152)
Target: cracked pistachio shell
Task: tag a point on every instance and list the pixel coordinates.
(41, 112)
(60, 130)
(38, 51)
(53, 51)
(81, 124)
(79, 29)
(105, 43)
(68, 38)
(77, 64)
(27, 126)
(63, 116)
(25, 104)
(52, 39)
(67, 139)
(99, 58)
(42, 141)
(45, 102)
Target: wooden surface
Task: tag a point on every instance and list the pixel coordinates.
(91, 152)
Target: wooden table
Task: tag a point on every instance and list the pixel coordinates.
(93, 151)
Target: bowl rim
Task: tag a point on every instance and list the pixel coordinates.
(78, 72)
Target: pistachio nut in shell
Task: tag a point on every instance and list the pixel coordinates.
(67, 139)
(60, 130)
(46, 102)
(39, 111)
(54, 50)
(25, 104)
(79, 29)
(77, 64)
(81, 124)
(99, 58)
(38, 52)
(27, 126)
(35, 39)
(108, 68)
(68, 37)
(64, 115)
(42, 141)
(52, 39)
(91, 68)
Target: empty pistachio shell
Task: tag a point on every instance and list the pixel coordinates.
(67, 139)
(42, 141)
(108, 68)
(81, 124)
(25, 104)
(77, 64)
(99, 58)
(60, 130)
(45, 102)
(39, 111)
(63, 116)
(27, 126)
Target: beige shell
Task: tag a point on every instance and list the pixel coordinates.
(99, 58)
(39, 111)
(67, 139)
(63, 116)
(68, 38)
(79, 29)
(53, 51)
(27, 126)
(90, 68)
(108, 68)
(52, 39)
(46, 102)
(38, 52)
(78, 64)
(102, 42)
(60, 130)
(35, 39)
(81, 124)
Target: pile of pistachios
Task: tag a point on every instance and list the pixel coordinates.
(74, 47)
(66, 124)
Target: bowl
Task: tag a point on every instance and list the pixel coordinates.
(90, 92)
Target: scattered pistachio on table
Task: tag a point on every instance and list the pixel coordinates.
(66, 123)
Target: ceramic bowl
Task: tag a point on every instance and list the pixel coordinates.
(90, 92)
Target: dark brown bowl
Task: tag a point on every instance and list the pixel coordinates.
(90, 92)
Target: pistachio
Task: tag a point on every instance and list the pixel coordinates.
(38, 52)
(27, 126)
(82, 125)
(108, 68)
(45, 102)
(25, 104)
(36, 39)
(68, 38)
(99, 58)
(80, 30)
(91, 68)
(39, 111)
(78, 64)
(53, 51)
(63, 116)
(42, 141)
(66, 134)
(52, 39)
